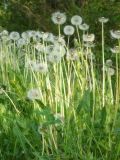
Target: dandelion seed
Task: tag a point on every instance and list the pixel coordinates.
(69, 30)
(30, 64)
(88, 37)
(5, 38)
(84, 27)
(55, 50)
(103, 20)
(59, 18)
(14, 36)
(32, 34)
(60, 50)
(115, 34)
(21, 42)
(116, 49)
(40, 67)
(25, 35)
(76, 20)
(110, 71)
(39, 47)
(54, 57)
(4, 33)
(49, 49)
(108, 67)
(59, 41)
(109, 62)
(72, 54)
(38, 35)
(34, 94)
(45, 36)
(50, 37)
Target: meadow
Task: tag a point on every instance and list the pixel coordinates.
(57, 100)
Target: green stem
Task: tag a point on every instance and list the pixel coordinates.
(103, 63)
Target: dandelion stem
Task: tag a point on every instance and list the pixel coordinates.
(103, 62)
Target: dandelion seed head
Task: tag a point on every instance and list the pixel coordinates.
(40, 67)
(34, 94)
(50, 37)
(76, 20)
(30, 63)
(72, 54)
(116, 49)
(88, 37)
(25, 35)
(49, 49)
(4, 33)
(60, 50)
(115, 34)
(21, 42)
(103, 20)
(54, 57)
(110, 71)
(31, 34)
(59, 41)
(84, 27)
(69, 30)
(59, 18)
(14, 36)
(39, 47)
(109, 62)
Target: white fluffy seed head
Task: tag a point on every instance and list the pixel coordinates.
(88, 37)
(50, 37)
(60, 50)
(14, 36)
(60, 41)
(4, 33)
(116, 49)
(30, 64)
(21, 42)
(39, 47)
(72, 54)
(34, 94)
(103, 20)
(110, 71)
(59, 18)
(25, 35)
(57, 52)
(109, 62)
(84, 27)
(40, 67)
(49, 49)
(69, 30)
(115, 34)
(76, 20)
(54, 58)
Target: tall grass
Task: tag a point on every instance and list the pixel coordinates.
(77, 114)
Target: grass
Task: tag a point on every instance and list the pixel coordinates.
(77, 116)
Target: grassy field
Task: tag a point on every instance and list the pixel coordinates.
(58, 101)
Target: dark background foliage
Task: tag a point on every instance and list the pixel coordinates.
(20, 15)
